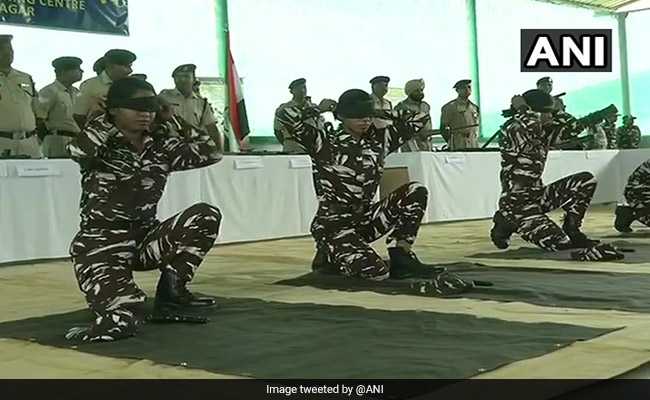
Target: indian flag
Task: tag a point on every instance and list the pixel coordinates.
(236, 105)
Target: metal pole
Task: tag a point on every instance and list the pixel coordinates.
(221, 9)
(223, 46)
(625, 73)
(473, 43)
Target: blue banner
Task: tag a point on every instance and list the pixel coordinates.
(102, 16)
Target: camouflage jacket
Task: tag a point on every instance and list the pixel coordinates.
(347, 170)
(525, 145)
(629, 137)
(120, 185)
(638, 179)
(610, 132)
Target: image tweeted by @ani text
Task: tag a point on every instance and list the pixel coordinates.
(359, 391)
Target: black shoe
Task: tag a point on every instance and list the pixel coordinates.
(405, 264)
(624, 217)
(501, 231)
(571, 226)
(172, 294)
(322, 264)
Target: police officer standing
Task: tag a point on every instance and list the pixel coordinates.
(17, 104)
(421, 141)
(56, 102)
(458, 114)
(299, 101)
(187, 104)
(379, 86)
(90, 103)
(99, 66)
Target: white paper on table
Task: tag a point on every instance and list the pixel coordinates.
(3, 170)
(300, 162)
(249, 163)
(37, 170)
(454, 160)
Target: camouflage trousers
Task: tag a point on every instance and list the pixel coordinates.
(345, 235)
(526, 209)
(637, 193)
(104, 260)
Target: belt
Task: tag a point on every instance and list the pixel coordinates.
(10, 135)
(118, 225)
(62, 133)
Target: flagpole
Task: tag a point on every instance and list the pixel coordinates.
(223, 45)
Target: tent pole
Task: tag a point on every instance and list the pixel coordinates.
(625, 73)
(473, 43)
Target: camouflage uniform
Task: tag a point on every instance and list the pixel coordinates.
(629, 137)
(637, 192)
(347, 172)
(284, 132)
(419, 142)
(525, 200)
(119, 231)
(610, 131)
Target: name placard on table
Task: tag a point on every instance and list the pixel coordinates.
(299, 162)
(249, 163)
(35, 170)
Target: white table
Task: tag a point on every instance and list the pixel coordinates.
(273, 196)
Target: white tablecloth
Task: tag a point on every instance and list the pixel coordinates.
(270, 197)
(466, 185)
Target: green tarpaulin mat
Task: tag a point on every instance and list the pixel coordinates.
(250, 337)
(545, 287)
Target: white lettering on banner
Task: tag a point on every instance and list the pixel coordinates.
(44, 170)
(300, 162)
(249, 163)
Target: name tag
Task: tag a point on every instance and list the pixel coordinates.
(249, 163)
(45, 170)
(300, 162)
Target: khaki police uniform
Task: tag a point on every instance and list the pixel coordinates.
(56, 105)
(381, 104)
(90, 90)
(195, 110)
(17, 119)
(458, 113)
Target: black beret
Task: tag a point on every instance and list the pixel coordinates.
(380, 78)
(462, 82)
(184, 68)
(297, 82)
(66, 63)
(119, 57)
(545, 79)
(354, 103)
(539, 101)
